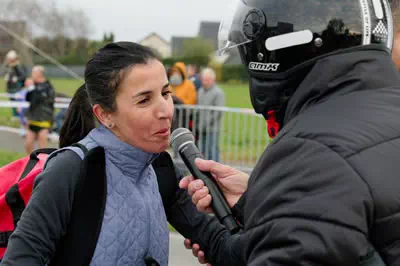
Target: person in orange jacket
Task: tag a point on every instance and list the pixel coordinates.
(182, 87)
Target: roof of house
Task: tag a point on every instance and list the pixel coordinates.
(209, 30)
(177, 45)
(156, 35)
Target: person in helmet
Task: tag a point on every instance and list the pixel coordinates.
(326, 190)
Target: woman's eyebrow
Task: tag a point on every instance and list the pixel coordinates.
(142, 93)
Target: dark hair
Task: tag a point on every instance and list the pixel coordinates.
(103, 75)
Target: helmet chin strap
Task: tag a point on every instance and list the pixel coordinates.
(270, 94)
(268, 99)
(272, 124)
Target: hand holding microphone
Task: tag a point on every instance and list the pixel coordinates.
(232, 183)
(182, 142)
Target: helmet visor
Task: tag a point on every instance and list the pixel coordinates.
(231, 33)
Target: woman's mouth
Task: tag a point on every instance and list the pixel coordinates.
(163, 132)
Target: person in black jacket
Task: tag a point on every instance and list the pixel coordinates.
(326, 190)
(41, 110)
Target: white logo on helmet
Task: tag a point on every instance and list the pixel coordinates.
(267, 67)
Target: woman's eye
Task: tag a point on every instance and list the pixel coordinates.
(165, 93)
(143, 101)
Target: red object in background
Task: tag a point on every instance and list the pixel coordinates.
(16, 184)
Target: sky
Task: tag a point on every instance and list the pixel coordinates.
(132, 20)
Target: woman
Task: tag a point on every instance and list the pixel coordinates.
(130, 97)
(40, 111)
(15, 76)
(182, 87)
(128, 93)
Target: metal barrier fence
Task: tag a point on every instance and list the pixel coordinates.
(240, 134)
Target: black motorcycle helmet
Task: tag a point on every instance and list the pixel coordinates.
(280, 40)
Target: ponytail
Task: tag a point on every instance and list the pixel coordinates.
(79, 120)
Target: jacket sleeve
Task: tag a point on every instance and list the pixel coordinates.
(191, 94)
(20, 73)
(213, 117)
(51, 93)
(238, 209)
(34, 97)
(45, 218)
(305, 205)
(219, 246)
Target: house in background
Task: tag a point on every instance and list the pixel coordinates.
(208, 30)
(158, 43)
(177, 45)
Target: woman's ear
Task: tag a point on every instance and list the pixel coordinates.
(104, 117)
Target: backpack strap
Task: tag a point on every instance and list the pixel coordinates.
(82, 147)
(167, 178)
(4, 236)
(33, 160)
(13, 197)
(78, 245)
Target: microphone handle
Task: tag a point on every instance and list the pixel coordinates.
(218, 204)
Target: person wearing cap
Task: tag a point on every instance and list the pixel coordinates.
(15, 76)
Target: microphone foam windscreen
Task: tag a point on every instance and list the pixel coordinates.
(180, 136)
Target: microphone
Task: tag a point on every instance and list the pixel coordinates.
(182, 141)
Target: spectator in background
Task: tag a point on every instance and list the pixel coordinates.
(15, 76)
(60, 116)
(182, 88)
(194, 76)
(210, 121)
(41, 109)
(21, 96)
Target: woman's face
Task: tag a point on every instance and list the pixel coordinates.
(144, 108)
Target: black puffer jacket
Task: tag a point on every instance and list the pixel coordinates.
(327, 190)
(41, 100)
(15, 78)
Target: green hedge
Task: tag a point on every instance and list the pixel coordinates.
(234, 73)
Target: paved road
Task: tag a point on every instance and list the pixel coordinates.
(12, 141)
(179, 256)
